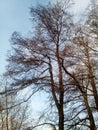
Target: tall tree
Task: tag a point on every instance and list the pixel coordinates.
(91, 32)
(57, 59)
(37, 61)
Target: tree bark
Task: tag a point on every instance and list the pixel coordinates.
(61, 112)
(91, 118)
(91, 76)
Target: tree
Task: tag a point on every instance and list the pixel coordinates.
(86, 82)
(92, 33)
(57, 59)
(86, 50)
(34, 61)
(12, 116)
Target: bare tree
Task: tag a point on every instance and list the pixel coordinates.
(34, 61)
(58, 60)
(12, 116)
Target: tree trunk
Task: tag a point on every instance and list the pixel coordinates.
(58, 103)
(61, 112)
(91, 76)
(91, 118)
(94, 88)
(7, 114)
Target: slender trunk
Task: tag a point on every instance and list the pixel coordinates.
(61, 112)
(94, 88)
(61, 90)
(53, 84)
(7, 127)
(91, 76)
(91, 118)
(2, 122)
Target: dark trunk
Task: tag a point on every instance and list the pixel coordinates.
(91, 76)
(61, 113)
(91, 118)
(94, 87)
(58, 103)
(60, 86)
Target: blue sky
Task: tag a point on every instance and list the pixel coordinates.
(14, 16)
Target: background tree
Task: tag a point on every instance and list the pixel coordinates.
(13, 116)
